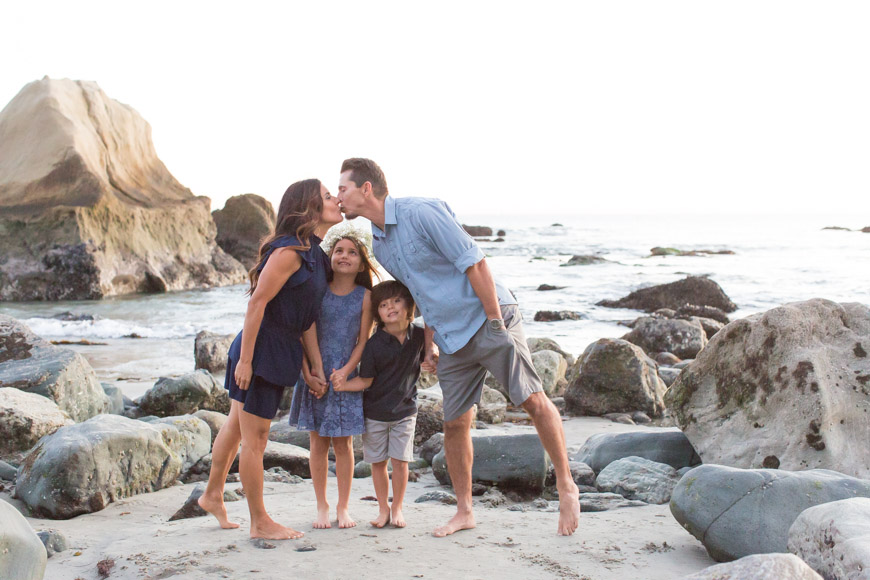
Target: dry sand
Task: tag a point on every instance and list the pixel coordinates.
(627, 543)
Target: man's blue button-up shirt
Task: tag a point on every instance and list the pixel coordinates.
(425, 248)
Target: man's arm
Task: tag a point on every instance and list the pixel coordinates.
(483, 285)
(430, 351)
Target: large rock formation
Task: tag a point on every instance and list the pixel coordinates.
(88, 209)
(25, 418)
(34, 365)
(694, 290)
(789, 388)
(241, 224)
(22, 555)
(834, 538)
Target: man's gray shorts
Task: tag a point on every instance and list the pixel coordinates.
(503, 352)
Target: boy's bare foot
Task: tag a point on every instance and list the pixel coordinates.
(397, 517)
(382, 519)
(217, 508)
(344, 520)
(322, 520)
(461, 521)
(271, 530)
(569, 509)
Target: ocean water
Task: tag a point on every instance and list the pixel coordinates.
(776, 260)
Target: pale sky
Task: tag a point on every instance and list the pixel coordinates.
(496, 107)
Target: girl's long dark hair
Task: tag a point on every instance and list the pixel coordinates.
(298, 215)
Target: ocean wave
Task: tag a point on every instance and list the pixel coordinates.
(107, 328)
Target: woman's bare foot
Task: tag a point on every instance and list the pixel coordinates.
(322, 520)
(461, 521)
(271, 530)
(344, 519)
(217, 508)
(382, 519)
(397, 517)
(569, 509)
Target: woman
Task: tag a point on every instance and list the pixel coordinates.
(287, 288)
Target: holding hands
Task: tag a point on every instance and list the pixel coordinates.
(338, 378)
(315, 379)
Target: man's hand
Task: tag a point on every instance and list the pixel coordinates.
(430, 361)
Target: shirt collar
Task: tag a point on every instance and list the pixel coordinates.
(389, 217)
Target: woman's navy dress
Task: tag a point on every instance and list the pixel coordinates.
(277, 361)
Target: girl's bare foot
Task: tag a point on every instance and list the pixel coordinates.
(461, 521)
(344, 519)
(322, 520)
(216, 507)
(271, 530)
(382, 519)
(397, 517)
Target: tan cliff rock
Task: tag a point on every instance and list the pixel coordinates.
(88, 210)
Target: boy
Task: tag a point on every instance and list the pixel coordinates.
(389, 370)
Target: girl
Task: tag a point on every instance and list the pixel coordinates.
(342, 330)
(287, 287)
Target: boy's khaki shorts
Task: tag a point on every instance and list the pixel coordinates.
(389, 439)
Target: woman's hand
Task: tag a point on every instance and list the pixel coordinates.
(316, 382)
(243, 374)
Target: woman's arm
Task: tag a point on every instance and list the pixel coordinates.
(315, 379)
(365, 330)
(281, 265)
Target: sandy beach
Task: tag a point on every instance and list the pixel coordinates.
(636, 542)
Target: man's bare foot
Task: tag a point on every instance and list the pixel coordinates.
(271, 530)
(344, 520)
(382, 519)
(461, 521)
(569, 510)
(322, 520)
(397, 517)
(217, 508)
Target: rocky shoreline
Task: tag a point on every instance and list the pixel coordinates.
(744, 429)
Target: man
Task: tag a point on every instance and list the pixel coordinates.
(472, 318)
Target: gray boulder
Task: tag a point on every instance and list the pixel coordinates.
(788, 388)
(759, 567)
(601, 502)
(185, 395)
(535, 344)
(640, 479)
(708, 312)
(515, 462)
(430, 414)
(210, 350)
(834, 538)
(34, 365)
(432, 447)
(667, 446)
(684, 338)
(668, 375)
(213, 419)
(82, 468)
(738, 512)
(7, 471)
(25, 418)
(492, 406)
(194, 438)
(584, 260)
(22, 555)
(116, 398)
(695, 290)
(614, 376)
(290, 458)
(551, 367)
(54, 542)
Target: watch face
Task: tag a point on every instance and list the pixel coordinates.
(496, 324)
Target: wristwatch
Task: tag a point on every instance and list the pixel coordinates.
(495, 323)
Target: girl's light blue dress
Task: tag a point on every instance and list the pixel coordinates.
(334, 414)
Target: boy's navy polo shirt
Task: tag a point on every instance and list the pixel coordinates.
(395, 368)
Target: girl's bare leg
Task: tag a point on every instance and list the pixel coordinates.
(318, 460)
(344, 473)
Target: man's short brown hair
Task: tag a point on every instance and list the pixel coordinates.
(363, 170)
(387, 290)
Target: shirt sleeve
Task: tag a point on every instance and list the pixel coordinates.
(437, 222)
(367, 362)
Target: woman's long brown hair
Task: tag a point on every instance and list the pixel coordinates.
(298, 215)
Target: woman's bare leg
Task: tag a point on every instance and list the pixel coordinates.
(226, 446)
